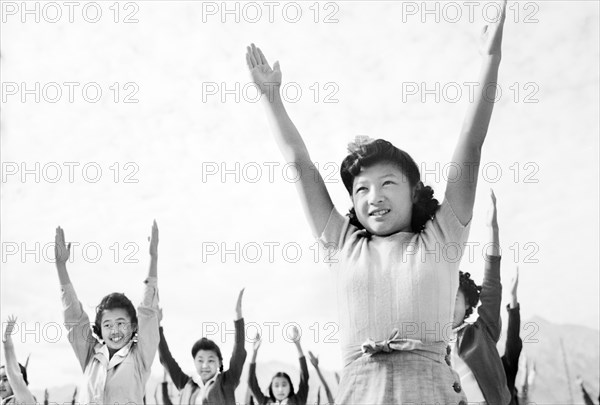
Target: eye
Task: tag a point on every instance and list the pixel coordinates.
(360, 189)
(388, 182)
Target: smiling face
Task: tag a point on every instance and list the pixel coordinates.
(117, 328)
(5, 388)
(280, 387)
(383, 199)
(207, 363)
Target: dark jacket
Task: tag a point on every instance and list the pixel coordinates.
(477, 342)
(223, 390)
(514, 345)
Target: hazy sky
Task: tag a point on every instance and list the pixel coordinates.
(144, 110)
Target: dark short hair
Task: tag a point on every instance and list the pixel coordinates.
(289, 380)
(113, 301)
(23, 372)
(208, 345)
(366, 153)
(470, 290)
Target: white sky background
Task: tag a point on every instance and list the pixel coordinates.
(177, 132)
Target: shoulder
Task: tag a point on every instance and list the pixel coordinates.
(445, 226)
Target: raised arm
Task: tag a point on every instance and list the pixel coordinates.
(153, 270)
(148, 333)
(302, 392)
(76, 320)
(315, 362)
(462, 183)
(313, 194)
(61, 255)
(177, 375)
(238, 357)
(252, 381)
(491, 292)
(514, 344)
(13, 372)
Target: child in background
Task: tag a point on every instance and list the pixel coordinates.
(117, 366)
(478, 362)
(210, 384)
(281, 389)
(13, 376)
(385, 278)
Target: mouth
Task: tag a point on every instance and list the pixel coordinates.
(379, 213)
(116, 339)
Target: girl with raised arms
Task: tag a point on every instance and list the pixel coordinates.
(385, 278)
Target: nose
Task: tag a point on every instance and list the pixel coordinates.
(375, 196)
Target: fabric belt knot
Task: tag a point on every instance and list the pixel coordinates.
(394, 342)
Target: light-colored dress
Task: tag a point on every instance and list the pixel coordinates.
(405, 282)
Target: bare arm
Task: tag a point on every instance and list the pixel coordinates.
(313, 194)
(315, 362)
(13, 372)
(461, 187)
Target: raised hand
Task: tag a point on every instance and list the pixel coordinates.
(492, 216)
(160, 316)
(257, 342)
(238, 306)
(61, 251)
(295, 335)
(514, 284)
(10, 327)
(154, 240)
(491, 39)
(313, 360)
(267, 79)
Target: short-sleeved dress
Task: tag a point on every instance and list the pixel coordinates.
(405, 281)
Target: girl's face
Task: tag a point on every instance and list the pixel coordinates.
(207, 364)
(281, 388)
(383, 199)
(460, 308)
(117, 329)
(5, 388)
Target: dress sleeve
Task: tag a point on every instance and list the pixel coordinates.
(446, 227)
(238, 357)
(148, 336)
(254, 387)
(334, 236)
(302, 393)
(491, 297)
(177, 375)
(77, 324)
(514, 344)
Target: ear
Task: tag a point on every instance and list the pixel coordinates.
(416, 190)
